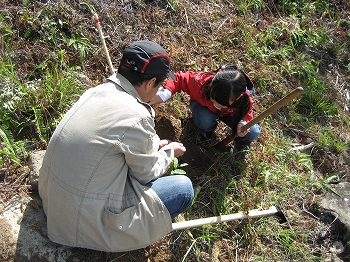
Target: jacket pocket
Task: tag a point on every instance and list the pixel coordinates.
(119, 220)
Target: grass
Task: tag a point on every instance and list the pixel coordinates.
(51, 54)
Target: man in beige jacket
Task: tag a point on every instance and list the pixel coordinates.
(100, 181)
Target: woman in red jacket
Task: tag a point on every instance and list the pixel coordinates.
(223, 95)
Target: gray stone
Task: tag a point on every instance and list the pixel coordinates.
(337, 248)
(24, 223)
(34, 162)
(338, 203)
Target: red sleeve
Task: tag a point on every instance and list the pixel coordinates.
(191, 83)
(249, 116)
(185, 82)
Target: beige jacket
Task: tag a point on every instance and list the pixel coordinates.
(92, 178)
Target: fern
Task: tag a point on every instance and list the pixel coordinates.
(40, 125)
(8, 147)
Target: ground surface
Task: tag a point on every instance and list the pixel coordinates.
(187, 38)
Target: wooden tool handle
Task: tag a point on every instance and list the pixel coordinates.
(297, 91)
(274, 210)
(272, 109)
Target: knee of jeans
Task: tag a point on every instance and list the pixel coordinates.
(186, 184)
(207, 126)
(255, 131)
(186, 187)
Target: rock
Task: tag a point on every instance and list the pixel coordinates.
(337, 248)
(338, 205)
(24, 235)
(35, 160)
(335, 207)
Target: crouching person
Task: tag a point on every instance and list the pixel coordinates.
(101, 179)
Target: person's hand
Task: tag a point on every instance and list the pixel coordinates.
(179, 148)
(163, 142)
(239, 131)
(155, 100)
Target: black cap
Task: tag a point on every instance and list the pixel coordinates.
(147, 57)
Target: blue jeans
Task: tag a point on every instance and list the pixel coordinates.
(175, 191)
(207, 120)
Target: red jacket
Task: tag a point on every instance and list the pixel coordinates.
(191, 83)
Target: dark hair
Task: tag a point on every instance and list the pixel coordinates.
(136, 78)
(226, 85)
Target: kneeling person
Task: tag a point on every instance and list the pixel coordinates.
(101, 179)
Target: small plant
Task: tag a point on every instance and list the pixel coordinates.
(173, 5)
(331, 140)
(176, 168)
(175, 102)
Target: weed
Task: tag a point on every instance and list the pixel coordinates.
(173, 5)
(330, 140)
(203, 239)
(245, 5)
(176, 168)
(80, 43)
(5, 29)
(315, 104)
(10, 148)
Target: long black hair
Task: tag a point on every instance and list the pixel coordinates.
(228, 84)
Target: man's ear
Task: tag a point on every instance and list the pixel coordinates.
(151, 82)
(146, 88)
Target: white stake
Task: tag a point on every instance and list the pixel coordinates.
(99, 28)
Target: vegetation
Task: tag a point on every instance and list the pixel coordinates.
(51, 53)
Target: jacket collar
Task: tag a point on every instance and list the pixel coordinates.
(123, 83)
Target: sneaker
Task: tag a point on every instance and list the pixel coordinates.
(240, 151)
(206, 139)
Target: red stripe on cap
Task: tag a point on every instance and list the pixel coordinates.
(97, 20)
(149, 60)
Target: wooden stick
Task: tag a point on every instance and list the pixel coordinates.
(297, 91)
(214, 220)
(99, 28)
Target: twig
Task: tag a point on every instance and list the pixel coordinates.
(222, 24)
(188, 23)
(309, 213)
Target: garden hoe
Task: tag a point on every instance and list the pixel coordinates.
(255, 213)
(297, 91)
